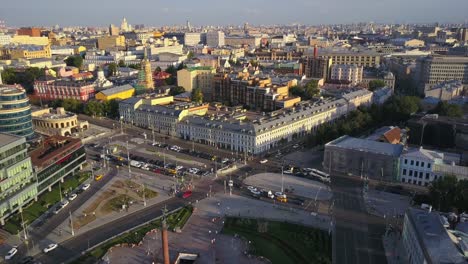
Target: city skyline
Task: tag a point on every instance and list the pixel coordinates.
(32, 13)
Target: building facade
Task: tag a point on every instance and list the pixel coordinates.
(346, 72)
(57, 122)
(15, 112)
(215, 39)
(197, 77)
(49, 90)
(18, 185)
(30, 52)
(107, 42)
(29, 31)
(362, 157)
(317, 67)
(432, 70)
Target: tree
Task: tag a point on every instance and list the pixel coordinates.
(176, 90)
(181, 66)
(447, 192)
(121, 63)
(297, 91)
(158, 69)
(9, 76)
(197, 95)
(112, 68)
(72, 105)
(446, 109)
(375, 84)
(75, 61)
(135, 66)
(94, 108)
(311, 89)
(111, 108)
(190, 55)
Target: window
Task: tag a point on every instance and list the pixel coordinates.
(422, 164)
(403, 180)
(412, 162)
(420, 174)
(428, 165)
(427, 175)
(417, 163)
(410, 172)
(406, 161)
(404, 172)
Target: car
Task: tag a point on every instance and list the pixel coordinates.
(11, 253)
(295, 146)
(155, 144)
(50, 247)
(263, 161)
(72, 196)
(58, 209)
(86, 187)
(98, 177)
(27, 260)
(278, 193)
(255, 192)
(64, 203)
(251, 188)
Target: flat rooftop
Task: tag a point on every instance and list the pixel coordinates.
(6, 139)
(365, 145)
(51, 150)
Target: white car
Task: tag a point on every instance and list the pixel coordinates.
(72, 196)
(263, 161)
(278, 193)
(255, 192)
(50, 247)
(11, 253)
(194, 170)
(58, 209)
(64, 203)
(86, 187)
(251, 188)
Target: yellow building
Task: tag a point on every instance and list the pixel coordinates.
(27, 40)
(80, 49)
(120, 93)
(30, 52)
(111, 42)
(196, 77)
(163, 100)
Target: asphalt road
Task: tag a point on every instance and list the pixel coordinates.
(357, 236)
(38, 233)
(74, 247)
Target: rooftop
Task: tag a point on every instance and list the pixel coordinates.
(117, 89)
(6, 139)
(433, 237)
(365, 145)
(53, 146)
(200, 68)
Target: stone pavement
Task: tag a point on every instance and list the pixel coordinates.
(302, 187)
(202, 233)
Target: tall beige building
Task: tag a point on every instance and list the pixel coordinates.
(346, 72)
(197, 77)
(111, 42)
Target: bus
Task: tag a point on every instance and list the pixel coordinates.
(322, 175)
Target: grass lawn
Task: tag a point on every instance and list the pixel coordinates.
(282, 243)
(178, 218)
(45, 200)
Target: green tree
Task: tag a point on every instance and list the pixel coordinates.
(94, 108)
(135, 66)
(443, 192)
(181, 66)
(112, 68)
(176, 90)
(121, 63)
(190, 55)
(72, 105)
(75, 61)
(158, 69)
(9, 76)
(111, 108)
(197, 95)
(297, 91)
(375, 84)
(446, 109)
(311, 89)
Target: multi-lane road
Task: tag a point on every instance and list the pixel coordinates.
(357, 236)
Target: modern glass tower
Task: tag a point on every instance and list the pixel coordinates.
(15, 112)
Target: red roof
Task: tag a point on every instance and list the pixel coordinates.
(161, 75)
(393, 136)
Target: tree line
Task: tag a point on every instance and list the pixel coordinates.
(396, 110)
(92, 108)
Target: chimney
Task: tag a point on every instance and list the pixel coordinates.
(315, 51)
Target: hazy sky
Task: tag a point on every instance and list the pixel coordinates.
(223, 12)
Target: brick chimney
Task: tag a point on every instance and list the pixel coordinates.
(315, 51)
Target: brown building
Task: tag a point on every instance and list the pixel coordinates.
(317, 67)
(252, 92)
(29, 31)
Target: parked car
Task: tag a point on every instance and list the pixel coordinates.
(98, 177)
(263, 161)
(64, 203)
(251, 188)
(72, 196)
(11, 253)
(86, 187)
(187, 194)
(50, 247)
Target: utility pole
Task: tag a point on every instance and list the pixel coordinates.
(282, 176)
(22, 223)
(128, 159)
(210, 190)
(144, 196)
(71, 223)
(121, 125)
(216, 168)
(60, 191)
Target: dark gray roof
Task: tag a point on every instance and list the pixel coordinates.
(433, 237)
(365, 145)
(6, 139)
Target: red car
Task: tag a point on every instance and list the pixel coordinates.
(187, 194)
